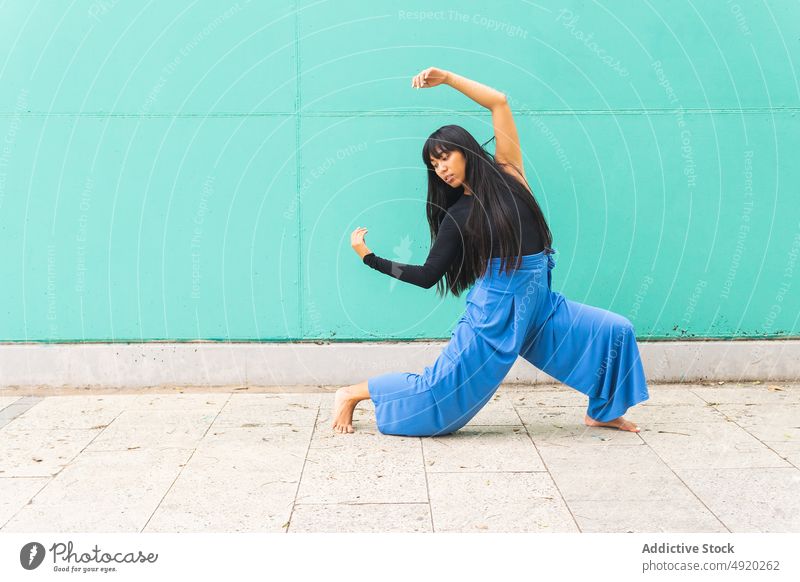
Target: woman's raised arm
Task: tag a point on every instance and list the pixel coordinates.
(507, 148)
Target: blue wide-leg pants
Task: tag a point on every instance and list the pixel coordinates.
(509, 315)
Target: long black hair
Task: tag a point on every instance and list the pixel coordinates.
(490, 185)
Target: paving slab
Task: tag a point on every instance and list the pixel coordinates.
(550, 397)
(498, 411)
(156, 428)
(681, 514)
(719, 445)
(237, 480)
(564, 426)
(361, 518)
(109, 491)
(41, 452)
(15, 492)
(270, 410)
(498, 502)
(210, 402)
(749, 394)
(6, 400)
(701, 413)
(68, 412)
(622, 473)
(17, 408)
(767, 422)
(661, 396)
(482, 448)
(787, 450)
(362, 467)
(749, 500)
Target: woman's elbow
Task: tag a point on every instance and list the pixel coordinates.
(502, 101)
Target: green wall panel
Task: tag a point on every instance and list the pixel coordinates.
(140, 58)
(552, 55)
(137, 229)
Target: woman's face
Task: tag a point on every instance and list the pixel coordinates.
(451, 168)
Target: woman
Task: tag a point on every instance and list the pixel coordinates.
(488, 230)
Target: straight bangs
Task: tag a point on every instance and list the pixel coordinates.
(435, 148)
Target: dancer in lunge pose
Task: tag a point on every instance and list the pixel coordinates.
(489, 233)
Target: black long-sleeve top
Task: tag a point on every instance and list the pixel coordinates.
(448, 245)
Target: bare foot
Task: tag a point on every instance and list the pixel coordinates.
(619, 423)
(343, 407)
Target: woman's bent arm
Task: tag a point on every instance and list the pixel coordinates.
(443, 253)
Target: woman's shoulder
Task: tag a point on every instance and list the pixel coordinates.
(513, 171)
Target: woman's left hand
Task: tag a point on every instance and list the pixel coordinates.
(357, 242)
(429, 77)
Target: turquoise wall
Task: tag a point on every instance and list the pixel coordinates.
(193, 170)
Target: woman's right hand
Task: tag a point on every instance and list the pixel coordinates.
(429, 77)
(357, 242)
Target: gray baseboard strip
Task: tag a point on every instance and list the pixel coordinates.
(130, 365)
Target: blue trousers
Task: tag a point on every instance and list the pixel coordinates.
(509, 315)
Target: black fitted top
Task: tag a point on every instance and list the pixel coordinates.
(448, 244)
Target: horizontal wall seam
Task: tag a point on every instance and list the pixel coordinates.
(412, 112)
(353, 340)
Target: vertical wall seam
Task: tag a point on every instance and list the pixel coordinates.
(298, 169)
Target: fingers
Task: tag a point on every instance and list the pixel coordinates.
(357, 235)
(421, 79)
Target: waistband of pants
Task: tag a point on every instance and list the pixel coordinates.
(527, 261)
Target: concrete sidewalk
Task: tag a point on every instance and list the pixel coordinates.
(709, 458)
